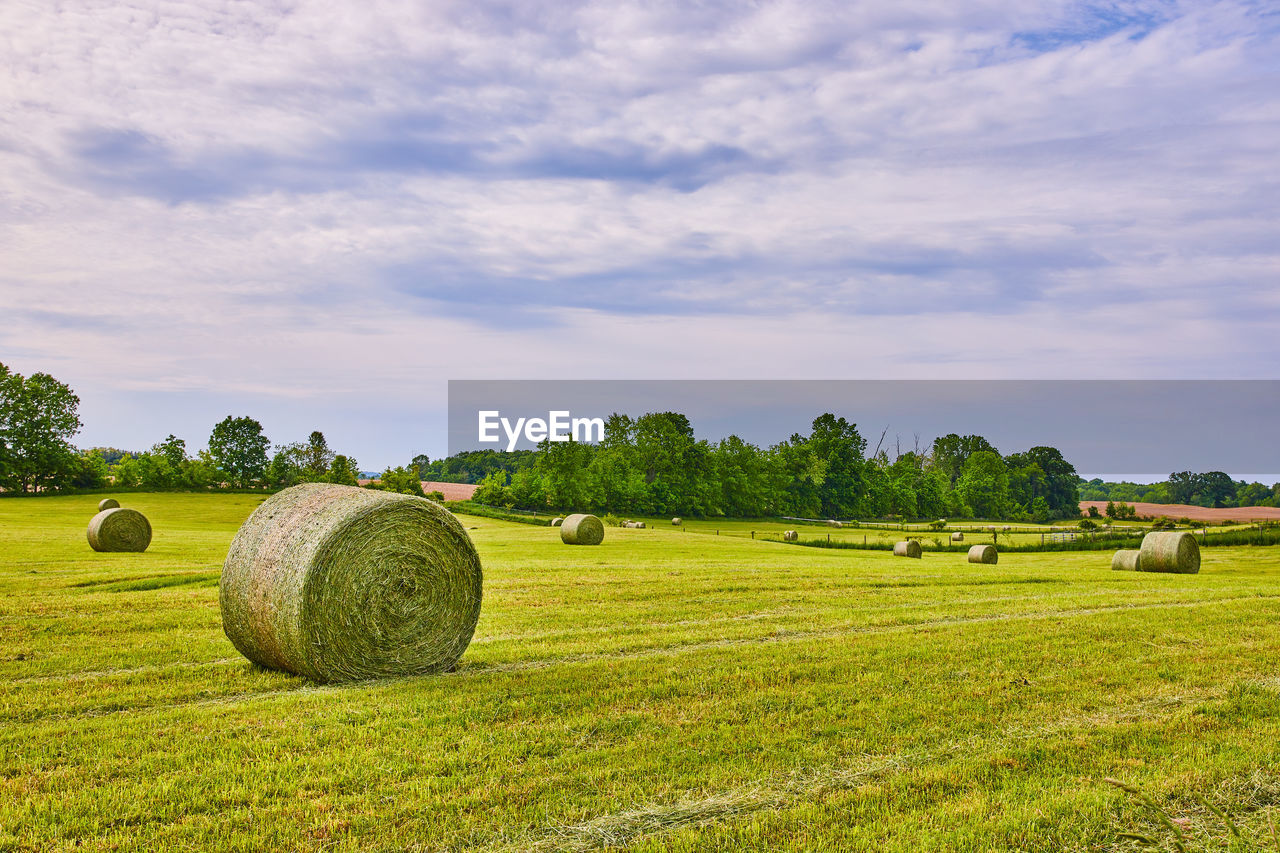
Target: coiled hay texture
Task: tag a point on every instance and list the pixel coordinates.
(582, 529)
(340, 583)
(908, 548)
(1171, 551)
(107, 503)
(119, 529)
(556, 522)
(983, 554)
(791, 536)
(1126, 561)
(677, 521)
(957, 537)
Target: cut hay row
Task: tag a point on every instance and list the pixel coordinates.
(119, 530)
(339, 583)
(582, 529)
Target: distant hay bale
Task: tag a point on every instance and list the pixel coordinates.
(831, 522)
(117, 529)
(791, 536)
(1172, 551)
(338, 583)
(556, 522)
(634, 525)
(1126, 561)
(581, 529)
(677, 521)
(908, 548)
(983, 554)
(107, 503)
(957, 537)
(1006, 528)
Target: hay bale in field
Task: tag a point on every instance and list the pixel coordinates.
(1172, 551)
(581, 529)
(957, 537)
(908, 548)
(117, 529)
(107, 503)
(790, 536)
(983, 554)
(1126, 561)
(677, 521)
(634, 525)
(1006, 528)
(339, 583)
(831, 522)
(557, 521)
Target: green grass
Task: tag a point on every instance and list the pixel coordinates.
(666, 690)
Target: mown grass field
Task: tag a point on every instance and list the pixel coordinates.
(664, 691)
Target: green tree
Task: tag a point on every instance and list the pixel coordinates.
(345, 472)
(838, 449)
(400, 479)
(239, 449)
(316, 457)
(951, 451)
(90, 471)
(492, 490)
(38, 416)
(984, 484)
(174, 450)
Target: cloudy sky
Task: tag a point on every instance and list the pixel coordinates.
(317, 213)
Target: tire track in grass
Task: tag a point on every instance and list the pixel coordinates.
(645, 822)
(478, 671)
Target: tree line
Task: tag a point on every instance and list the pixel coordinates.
(653, 465)
(1208, 489)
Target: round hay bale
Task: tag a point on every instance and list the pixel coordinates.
(1126, 561)
(107, 503)
(339, 583)
(831, 522)
(790, 536)
(1171, 551)
(677, 521)
(983, 554)
(908, 548)
(556, 522)
(957, 537)
(639, 525)
(582, 529)
(119, 529)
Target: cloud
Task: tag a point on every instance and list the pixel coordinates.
(267, 199)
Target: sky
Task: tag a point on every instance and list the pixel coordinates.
(317, 214)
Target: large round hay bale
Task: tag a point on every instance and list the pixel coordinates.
(119, 529)
(1126, 561)
(983, 554)
(908, 548)
(339, 583)
(556, 522)
(582, 529)
(957, 537)
(677, 521)
(1171, 551)
(107, 503)
(831, 522)
(791, 536)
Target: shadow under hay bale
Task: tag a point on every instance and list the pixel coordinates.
(1129, 560)
(119, 530)
(339, 583)
(983, 554)
(908, 548)
(1175, 552)
(582, 529)
(107, 503)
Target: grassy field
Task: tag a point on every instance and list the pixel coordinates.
(667, 690)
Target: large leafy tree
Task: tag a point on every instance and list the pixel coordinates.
(838, 448)
(1043, 473)
(951, 451)
(317, 457)
(984, 484)
(239, 449)
(38, 416)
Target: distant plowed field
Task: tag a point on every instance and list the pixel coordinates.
(451, 491)
(1195, 513)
